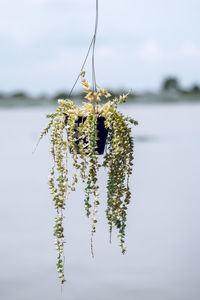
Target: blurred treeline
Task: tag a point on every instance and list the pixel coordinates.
(170, 91)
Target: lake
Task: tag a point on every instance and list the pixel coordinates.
(162, 260)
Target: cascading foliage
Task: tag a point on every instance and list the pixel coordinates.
(118, 159)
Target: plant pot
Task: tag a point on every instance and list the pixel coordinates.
(102, 134)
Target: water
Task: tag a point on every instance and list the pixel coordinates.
(162, 259)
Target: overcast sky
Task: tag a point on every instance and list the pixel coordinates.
(139, 42)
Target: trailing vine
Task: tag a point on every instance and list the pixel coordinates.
(73, 131)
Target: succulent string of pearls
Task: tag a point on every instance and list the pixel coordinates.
(73, 131)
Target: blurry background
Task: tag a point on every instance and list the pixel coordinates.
(151, 48)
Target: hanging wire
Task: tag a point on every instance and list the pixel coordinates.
(92, 45)
(93, 50)
(88, 52)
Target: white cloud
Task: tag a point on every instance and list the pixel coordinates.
(151, 52)
(190, 51)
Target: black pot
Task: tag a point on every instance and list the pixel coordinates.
(102, 133)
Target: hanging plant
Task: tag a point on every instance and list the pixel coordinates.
(82, 132)
(74, 131)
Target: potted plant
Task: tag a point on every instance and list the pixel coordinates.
(82, 133)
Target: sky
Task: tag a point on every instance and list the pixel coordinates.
(43, 43)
